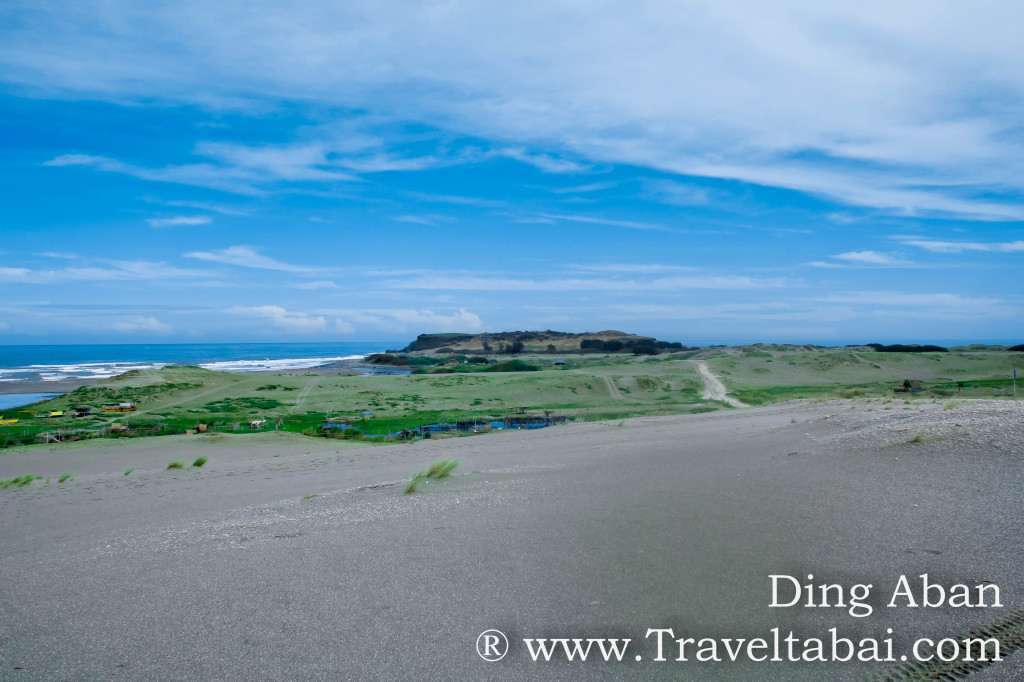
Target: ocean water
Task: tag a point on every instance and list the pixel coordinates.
(59, 363)
(9, 400)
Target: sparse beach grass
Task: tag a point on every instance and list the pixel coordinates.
(437, 471)
(19, 481)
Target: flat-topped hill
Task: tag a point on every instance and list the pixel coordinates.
(537, 342)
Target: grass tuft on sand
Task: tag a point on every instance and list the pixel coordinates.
(440, 469)
(19, 481)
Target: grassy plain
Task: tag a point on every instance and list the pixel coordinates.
(761, 378)
(598, 386)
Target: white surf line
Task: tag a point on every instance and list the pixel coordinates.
(713, 388)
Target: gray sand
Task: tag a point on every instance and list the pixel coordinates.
(583, 530)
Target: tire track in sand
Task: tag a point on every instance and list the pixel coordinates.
(713, 388)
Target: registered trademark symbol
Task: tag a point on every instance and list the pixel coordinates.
(492, 645)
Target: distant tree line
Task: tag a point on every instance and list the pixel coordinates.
(403, 361)
(908, 348)
(636, 347)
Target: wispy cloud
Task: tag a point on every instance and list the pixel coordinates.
(296, 322)
(579, 189)
(677, 193)
(932, 303)
(960, 247)
(382, 163)
(546, 162)
(429, 219)
(201, 205)
(178, 221)
(297, 163)
(457, 200)
(864, 259)
(248, 257)
(403, 320)
(633, 225)
(107, 271)
(311, 286)
(904, 131)
(629, 267)
(479, 283)
(201, 174)
(144, 324)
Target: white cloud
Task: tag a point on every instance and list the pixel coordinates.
(248, 257)
(670, 192)
(430, 219)
(959, 247)
(279, 317)
(203, 206)
(298, 163)
(111, 271)
(320, 284)
(931, 303)
(606, 221)
(144, 324)
(630, 267)
(180, 220)
(577, 189)
(234, 180)
(401, 320)
(864, 259)
(904, 107)
(481, 283)
(546, 162)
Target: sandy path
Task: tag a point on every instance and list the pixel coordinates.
(191, 398)
(301, 397)
(613, 390)
(713, 388)
(903, 373)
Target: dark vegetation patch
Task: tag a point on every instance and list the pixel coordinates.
(638, 346)
(405, 361)
(512, 366)
(907, 348)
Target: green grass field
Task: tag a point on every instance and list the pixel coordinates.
(172, 400)
(843, 373)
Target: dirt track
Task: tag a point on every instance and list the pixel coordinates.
(713, 388)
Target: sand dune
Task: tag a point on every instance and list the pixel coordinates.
(294, 558)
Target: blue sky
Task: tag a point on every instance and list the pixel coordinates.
(700, 172)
